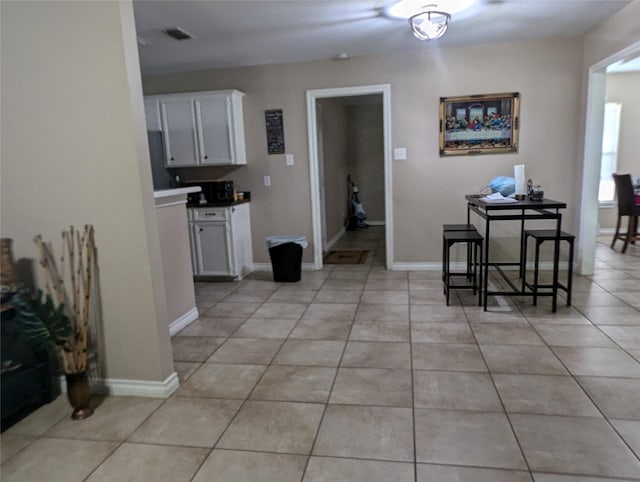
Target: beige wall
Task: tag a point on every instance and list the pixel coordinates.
(427, 190)
(74, 151)
(617, 33)
(613, 35)
(366, 156)
(334, 146)
(173, 233)
(625, 89)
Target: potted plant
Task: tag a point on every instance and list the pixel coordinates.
(59, 317)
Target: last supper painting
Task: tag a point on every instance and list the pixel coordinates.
(479, 124)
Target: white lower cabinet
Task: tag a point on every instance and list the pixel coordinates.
(221, 241)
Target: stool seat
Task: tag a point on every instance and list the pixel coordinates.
(547, 234)
(540, 236)
(472, 238)
(458, 227)
(462, 236)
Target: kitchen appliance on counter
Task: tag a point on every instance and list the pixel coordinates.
(220, 192)
(215, 193)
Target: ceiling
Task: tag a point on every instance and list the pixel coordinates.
(241, 33)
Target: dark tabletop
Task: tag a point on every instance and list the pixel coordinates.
(476, 199)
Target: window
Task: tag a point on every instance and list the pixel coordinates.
(609, 160)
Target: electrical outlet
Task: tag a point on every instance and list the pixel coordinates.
(267, 180)
(289, 159)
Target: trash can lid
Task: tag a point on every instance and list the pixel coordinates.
(273, 241)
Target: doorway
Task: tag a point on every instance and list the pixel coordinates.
(596, 95)
(318, 104)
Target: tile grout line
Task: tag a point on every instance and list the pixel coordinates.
(577, 382)
(413, 392)
(504, 408)
(333, 383)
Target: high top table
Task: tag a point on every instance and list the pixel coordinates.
(516, 211)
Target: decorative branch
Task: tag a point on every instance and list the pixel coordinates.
(79, 250)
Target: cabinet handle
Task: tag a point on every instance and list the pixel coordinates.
(233, 210)
(206, 157)
(201, 229)
(173, 159)
(209, 214)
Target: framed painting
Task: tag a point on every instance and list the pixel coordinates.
(479, 124)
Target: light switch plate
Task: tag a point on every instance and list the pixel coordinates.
(400, 153)
(289, 159)
(267, 180)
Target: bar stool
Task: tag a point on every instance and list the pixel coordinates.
(458, 227)
(540, 236)
(472, 239)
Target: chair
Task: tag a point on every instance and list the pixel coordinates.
(449, 238)
(626, 207)
(457, 227)
(540, 236)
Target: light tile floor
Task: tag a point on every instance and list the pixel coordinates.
(359, 374)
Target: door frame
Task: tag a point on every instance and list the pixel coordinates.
(589, 206)
(314, 176)
(321, 177)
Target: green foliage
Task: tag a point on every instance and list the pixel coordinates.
(40, 322)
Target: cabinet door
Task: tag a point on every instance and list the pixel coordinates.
(151, 115)
(193, 248)
(178, 125)
(215, 129)
(213, 249)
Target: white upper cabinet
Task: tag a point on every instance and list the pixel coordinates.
(221, 128)
(200, 128)
(179, 128)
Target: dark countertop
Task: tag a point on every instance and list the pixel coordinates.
(217, 205)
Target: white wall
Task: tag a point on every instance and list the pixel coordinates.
(606, 41)
(366, 156)
(173, 232)
(74, 152)
(334, 142)
(624, 88)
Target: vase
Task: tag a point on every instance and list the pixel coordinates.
(79, 395)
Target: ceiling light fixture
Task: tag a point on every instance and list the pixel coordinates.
(429, 24)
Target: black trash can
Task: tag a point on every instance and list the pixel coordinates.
(286, 257)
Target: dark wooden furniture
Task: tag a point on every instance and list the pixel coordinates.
(458, 227)
(522, 211)
(27, 379)
(626, 207)
(471, 238)
(540, 236)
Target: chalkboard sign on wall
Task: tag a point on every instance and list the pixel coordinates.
(275, 131)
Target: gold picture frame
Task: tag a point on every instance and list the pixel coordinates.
(479, 124)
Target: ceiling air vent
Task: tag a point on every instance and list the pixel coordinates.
(178, 33)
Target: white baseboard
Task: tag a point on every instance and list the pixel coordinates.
(400, 266)
(131, 388)
(267, 267)
(460, 266)
(335, 239)
(375, 223)
(185, 320)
